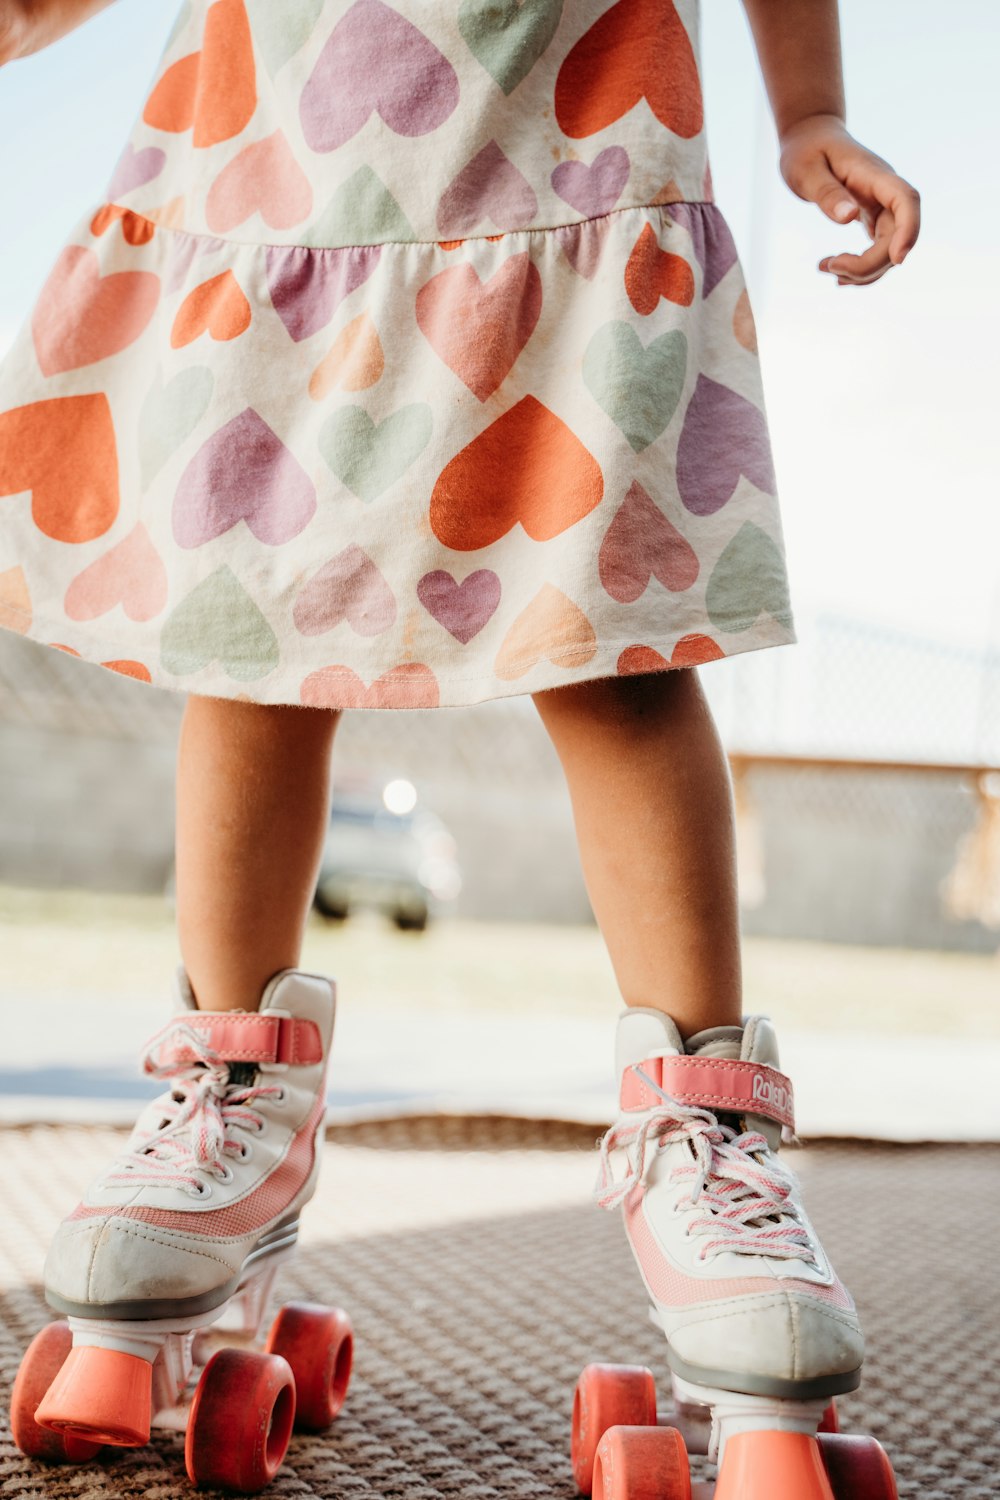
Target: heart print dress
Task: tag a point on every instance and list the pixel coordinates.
(405, 362)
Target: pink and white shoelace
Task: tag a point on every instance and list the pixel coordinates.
(201, 1111)
(735, 1178)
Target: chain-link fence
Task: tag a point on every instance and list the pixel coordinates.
(828, 847)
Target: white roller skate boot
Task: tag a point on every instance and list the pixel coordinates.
(168, 1262)
(760, 1332)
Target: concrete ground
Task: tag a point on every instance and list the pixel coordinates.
(503, 1018)
(480, 1278)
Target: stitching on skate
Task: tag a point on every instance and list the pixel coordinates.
(735, 1312)
(793, 1318)
(136, 1229)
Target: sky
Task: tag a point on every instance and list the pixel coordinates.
(882, 400)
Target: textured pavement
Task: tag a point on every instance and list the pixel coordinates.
(480, 1279)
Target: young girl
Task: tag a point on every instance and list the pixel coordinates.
(407, 362)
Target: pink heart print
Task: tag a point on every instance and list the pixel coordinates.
(264, 178)
(131, 574)
(479, 328)
(641, 543)
(409, 685)
(350, 587)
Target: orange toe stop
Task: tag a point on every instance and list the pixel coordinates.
(100, 1394)
(772, 1466)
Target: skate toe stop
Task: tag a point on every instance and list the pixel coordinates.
(103, 1395)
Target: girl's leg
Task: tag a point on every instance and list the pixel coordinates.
(252, 804)
(252, 788)
(652, 802)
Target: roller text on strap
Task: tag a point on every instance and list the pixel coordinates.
(240, 1036)
(720, 1084)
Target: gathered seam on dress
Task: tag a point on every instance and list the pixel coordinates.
(441, 241)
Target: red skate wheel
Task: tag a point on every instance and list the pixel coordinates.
(319, 1345)
(241, 1420)
(831, 1421)
(43, 1359)
(858, 1467)
(642, 1463)
(608, 1396)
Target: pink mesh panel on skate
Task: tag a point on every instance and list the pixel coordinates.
(672, 1286)
(249, 1215)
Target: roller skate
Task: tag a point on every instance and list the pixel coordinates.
(761, 1336)
(165, 1271)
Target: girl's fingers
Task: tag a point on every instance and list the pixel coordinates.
(879, 191)
(817, 184)
(874, 260)
(877, 183)
(864, 280)
(904, 201)
(850, 183)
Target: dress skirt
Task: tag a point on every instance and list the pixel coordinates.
(406, 361)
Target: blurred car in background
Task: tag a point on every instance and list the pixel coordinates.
(385, 850)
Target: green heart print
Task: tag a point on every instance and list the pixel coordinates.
(361, 211)
(508, 36)
(639, 387)
(368, 458)
(281, 30)
(169, 415)
(748, 579)
(218, 621)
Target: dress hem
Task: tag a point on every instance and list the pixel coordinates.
(605, 660)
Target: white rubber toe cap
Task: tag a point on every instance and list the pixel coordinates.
(105, 1262)
(780, 1336)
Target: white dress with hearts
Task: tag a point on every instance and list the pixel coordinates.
(407, 361)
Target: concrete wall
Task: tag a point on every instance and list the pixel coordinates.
(86, 798)
(846, 858)
(87, 787)
(859, 857)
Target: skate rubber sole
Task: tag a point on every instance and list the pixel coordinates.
(282, 1237)
(743, 1384)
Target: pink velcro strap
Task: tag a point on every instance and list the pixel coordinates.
(715, 1083)
(254, 1038)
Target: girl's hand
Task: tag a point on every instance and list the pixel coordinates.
(824, 164)
(15, 26)
(26, 26)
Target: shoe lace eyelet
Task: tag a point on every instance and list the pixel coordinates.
(224, 1173)
(203, 1190)
(281, 1097)
(246, 1151)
